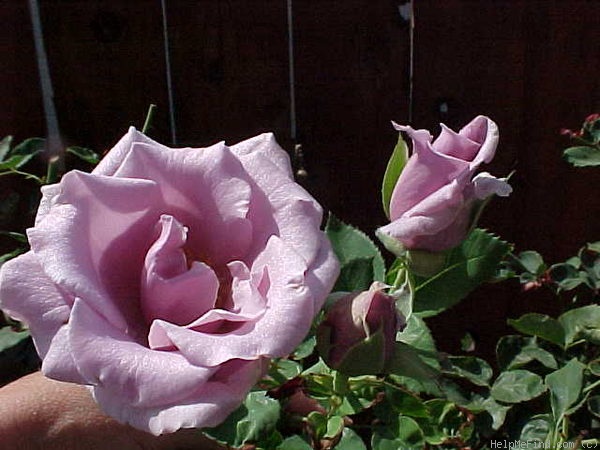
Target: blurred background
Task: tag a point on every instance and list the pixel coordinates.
(330, 75)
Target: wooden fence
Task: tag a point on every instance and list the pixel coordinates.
(530, 65)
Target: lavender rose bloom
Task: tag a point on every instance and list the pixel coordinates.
(167, 278)
(432, 201)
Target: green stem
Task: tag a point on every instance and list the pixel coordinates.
(25, 174)
(149, 117)
(53, 169)
(591, 387)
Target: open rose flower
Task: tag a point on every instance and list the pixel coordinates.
(167, 278)
(432, 202)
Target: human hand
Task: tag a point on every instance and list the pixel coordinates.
(39, 413)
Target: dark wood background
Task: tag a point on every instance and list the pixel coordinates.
(532, 66)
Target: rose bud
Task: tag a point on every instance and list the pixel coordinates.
(358, 334)
(434, 199)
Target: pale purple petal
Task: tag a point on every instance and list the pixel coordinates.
(206, 188)
(434, 224)
(114, 158)
(108, 358)
(59, 363)
(285, 322)
(424, 174)
(486, 185)
(207, 406)
(28, 295)
(80, 241)
(170, 290)
(456, 145)
(484, 131)
(266, 146)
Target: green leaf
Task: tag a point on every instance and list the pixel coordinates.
(515, 386)
(445, 421)
(254, 421)
(496, 411)
(593, 405)
(294, 442)
(15, 161)
(418, 336)
(582, 156)
(566, 276)
(514, 352)
(10, 338)
(594, 367)
(472, 263)
(537, 429)
(350, 244)
(405, 433)
(404, 403)
(476, 370)
(305, 349)
(565, 386)
(5, 146)
(8, 256)
(85, 154)
(282, 370)
(541, 325)
(407, 362)
(335, 425)
(355, 275)
(392, 172)
(31, 146)
(19, 237)
(532, 262)
(581, 323)
(350, 441)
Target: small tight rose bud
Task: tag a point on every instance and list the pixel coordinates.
(358, 333)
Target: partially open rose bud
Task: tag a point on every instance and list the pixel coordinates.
(358, 333)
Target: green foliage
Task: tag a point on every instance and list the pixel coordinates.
(515, 386)
(10, 338)
(468, 265)
(587, 152)
(393, 170)
(253, 422)
(360, 259)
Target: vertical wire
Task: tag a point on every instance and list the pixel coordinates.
(411, 63)
(54, 142)
(292, 81)
(163, 4)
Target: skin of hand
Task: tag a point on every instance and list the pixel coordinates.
(39, 413)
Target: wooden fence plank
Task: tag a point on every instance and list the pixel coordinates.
(230, 69)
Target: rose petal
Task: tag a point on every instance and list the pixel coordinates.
(108, 358)
(59, 363)
(191, 181)
(266, 146)
(455, 145)
(285, 322)
(206, 406)
(288, 210)
(422, 226)
(170, 290)
(486, 184)
(114, 158)
(80, 241)
(484, 131)
(28, 295)
(426, 172)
